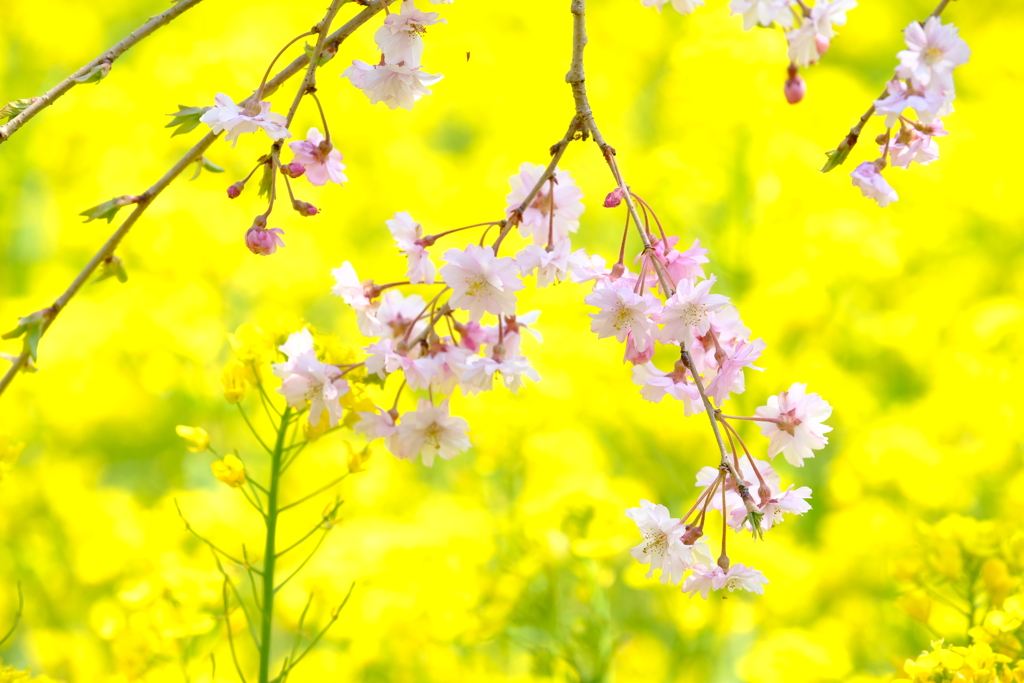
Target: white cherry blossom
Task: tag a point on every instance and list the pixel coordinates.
(705, 579)
(401, 36)
(393, 84)
(556, 212)
(933, 51)
(662, 547)
(480, 281)
(871, 183)
(228, 116)
(429, 432)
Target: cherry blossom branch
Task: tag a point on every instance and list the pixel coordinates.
(843, 149)
(309, 82)
(147, 197)
(107, 58)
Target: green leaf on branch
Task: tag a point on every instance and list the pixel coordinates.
(202, 163)
(108, 209)
(267, 179)
(838, 155)
(95, 74)
(31, 328)
(12, 109)
(325, 56)
(111, 267)
(186, 119)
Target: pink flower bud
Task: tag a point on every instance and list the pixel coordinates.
(614, 198)
(236, 189)
(822, 43)
(264, 242)
(794, 89)
(305, 208)
(293, 170)
(633, 355)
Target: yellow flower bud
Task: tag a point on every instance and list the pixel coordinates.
(197, 438)
(230, 470)
(357, 459)
(235, 376)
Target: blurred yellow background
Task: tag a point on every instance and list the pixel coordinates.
(509, 563)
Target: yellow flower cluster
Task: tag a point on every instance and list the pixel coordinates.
(977, 663)
(8, 674)
(230, 470)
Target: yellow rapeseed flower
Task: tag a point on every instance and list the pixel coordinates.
(230, 470)
(235, 377)
(8, 674)
(357, 459)
(197, 438)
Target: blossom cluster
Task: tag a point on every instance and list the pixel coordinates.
(809, 29)
(398, 79)
(923, 84)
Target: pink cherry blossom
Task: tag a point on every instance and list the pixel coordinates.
(730, 379)
(705, 579)
(480, 281)
(551, 265)
(304, 378)
(685, 314)
(383, 359)
(734, 504)
(397, 313)
(622, 311)
(927, 104)
(393, 84)
(914, 145)
(681, 6)
(320, 159)
(375, 425)
(429, 432)
(349, 287)
(682, 264)
(762, 12)
(662, 547)
(407, 234)
(871, 183)
(557, 212)
(933, 51)
(797, 427)
(774, 508)
(655, 385)
(228, 116)
(401, 36)
(584, 267)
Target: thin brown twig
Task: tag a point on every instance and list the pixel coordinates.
(108, 56)
(151, 194)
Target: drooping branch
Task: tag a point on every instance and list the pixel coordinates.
(150, 195)
(843, 149)
(107, 58)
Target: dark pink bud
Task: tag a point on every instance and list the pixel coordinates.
(822, 43)
(691, 535)
(236, 189)
(305, 208)
(293, 170)
(794, 89)
(264, 242)
(614, 198)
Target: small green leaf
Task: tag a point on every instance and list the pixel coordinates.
(204, 163)
(95, 74)
(31, 327)
(838, 155)
(108, 209)
(112, 267)
(325, 56)
(267, 179)
(12, 109)
(186, 119)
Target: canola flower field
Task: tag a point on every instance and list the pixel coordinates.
(511, 561)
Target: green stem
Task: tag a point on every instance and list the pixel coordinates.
(270, 552)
